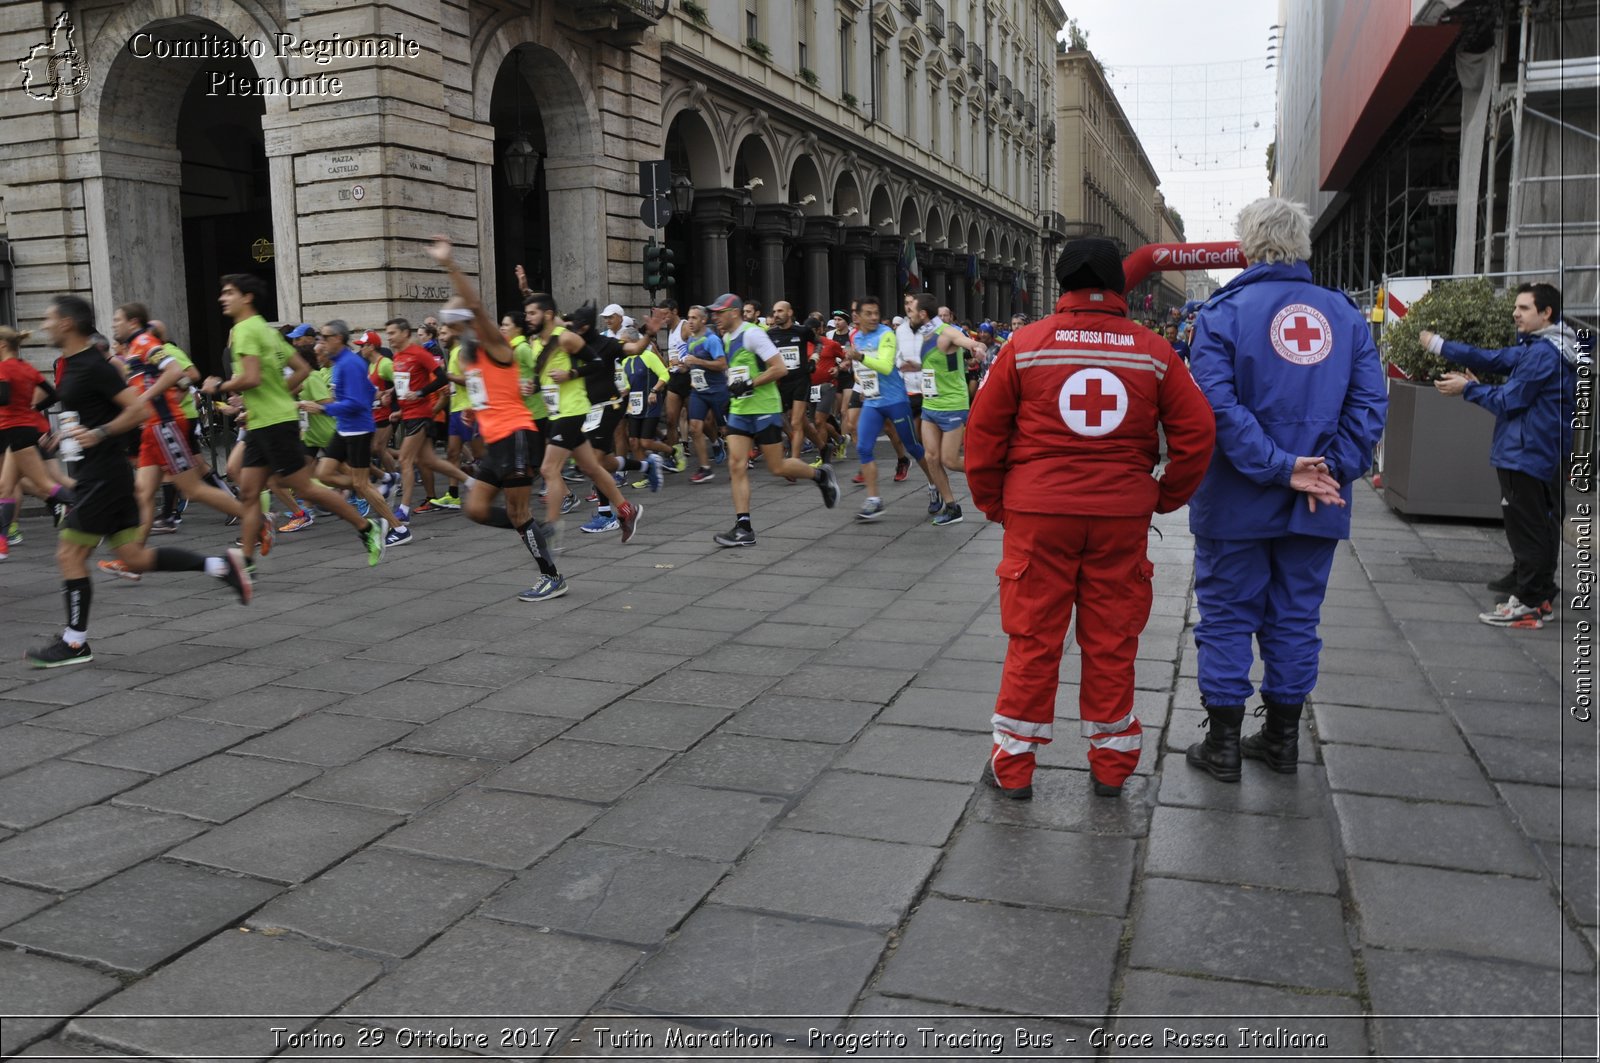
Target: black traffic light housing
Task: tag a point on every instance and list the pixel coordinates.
(652, 265)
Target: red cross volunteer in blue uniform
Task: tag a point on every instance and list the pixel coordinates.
(1061, 446)
(1295, 382)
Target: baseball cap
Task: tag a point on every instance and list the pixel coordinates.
(611, 309)
(302, 330)
(725, 301)
(369, 339)
(627, 322)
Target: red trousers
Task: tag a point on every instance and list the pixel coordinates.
(1053, 563)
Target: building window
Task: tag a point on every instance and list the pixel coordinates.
(847, 54)
(752, 25)
(911, 102)
(801, 55)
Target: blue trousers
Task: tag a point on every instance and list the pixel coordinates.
(871, 423)
(1269, 591)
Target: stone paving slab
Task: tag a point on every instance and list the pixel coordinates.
(1197, 1009)
(287, 840)
(391, 781)
(325, 739)
(53, 788)
(133, 921)
(1437, 835)
(687, 820)
(36, 985)
(915, 812)
(850, 880)
(500, 829)
(1056, 869)
(85, 846)
(218, 788)
(1276, 852)
(584, 771)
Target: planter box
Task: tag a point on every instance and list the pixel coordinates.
(1436, 455)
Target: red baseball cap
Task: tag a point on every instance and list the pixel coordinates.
(369, 339)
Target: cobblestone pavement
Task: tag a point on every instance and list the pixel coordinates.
(742, 784)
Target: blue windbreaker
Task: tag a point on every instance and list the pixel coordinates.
(1532, 409)
(351, 408)
(1290, 370)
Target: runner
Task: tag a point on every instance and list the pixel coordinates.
(316, 427)
(883, 398)
(824, 395)
(97, 407)
(544, 326)
(563, 363)
(347, 459)
(605, 383)
(513, 446)
(647, 382)
(272, 444)
(678, 384)
(23, 393)
(797, 343)
(417, 376)
(755, 418)
(944, 404)
(708, 379)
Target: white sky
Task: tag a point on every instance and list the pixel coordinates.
(1191, 76)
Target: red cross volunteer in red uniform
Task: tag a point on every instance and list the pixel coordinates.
(1061, 448)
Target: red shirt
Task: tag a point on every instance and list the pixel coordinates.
(146, 357)
(19, 412)
(420, 363)
(830, 355)
(1066, 420)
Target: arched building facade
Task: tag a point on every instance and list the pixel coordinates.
(319, 146)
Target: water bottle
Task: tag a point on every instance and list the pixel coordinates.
(70, 449)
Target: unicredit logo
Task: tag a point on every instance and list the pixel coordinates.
(1201, 257)
(1162, 254)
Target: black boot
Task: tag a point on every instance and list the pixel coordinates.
(1278, 741)
(1218, 754)
(1505, 584)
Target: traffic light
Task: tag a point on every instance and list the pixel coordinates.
(1422, 246)
(652, 264)
(667, 266)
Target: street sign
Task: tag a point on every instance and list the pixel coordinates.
(1444, 197)
(655, 178)
(656, 212)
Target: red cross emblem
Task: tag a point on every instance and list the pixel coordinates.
(1093, 402)
(1300, 334)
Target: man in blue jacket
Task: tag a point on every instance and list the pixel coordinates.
(1532, 438)
(347, 459)
(1296, 385)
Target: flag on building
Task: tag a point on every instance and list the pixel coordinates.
(1020, 297)
(910, 274)
(974, 281)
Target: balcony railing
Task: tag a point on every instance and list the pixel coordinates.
(913, 8)
(958, 40)
(1016, 100)
(1031, 112)
(935, 20)
(975, 56)
(615, 14)
(991, 74)
(1005, 88)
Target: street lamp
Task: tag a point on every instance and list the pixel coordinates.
(521, 164)
(745, 211)
(682, 195)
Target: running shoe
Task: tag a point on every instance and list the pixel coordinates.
(680, 458)
(902, 469)
(375, 537)
(859, 478)
(268, 536)
(548, 587)
(703, 475)
(640, 485)
(950, 514)
(397, 536)
(318, 511)
(231, 522)
(569, 503)
(180, 509)
(59, 511)
(5, 547)
(573, 476)
(654, 473)
(828, 484)
(601, 522)
(60, 653)
(593, 498)
(428, 507)
(739, 536)
(238, 576)
(402, 514)
(14, 533)
(935, 503)
(719, 452)
(1514, 613)
(619, 478)
(629, 519)
(445, 502)
(872, 510)
(299, 523)
(117, 568)
(816, 463)
(363, 507)
(750, 464)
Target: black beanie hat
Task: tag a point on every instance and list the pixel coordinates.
(1092, 262)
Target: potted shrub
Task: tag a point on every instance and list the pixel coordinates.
(1435, 447)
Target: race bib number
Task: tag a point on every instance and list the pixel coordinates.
(552, 400)
(697, 379)
(636, 404)
(791, 357)
(402, 384)
(816, 393)
(867, 382)
(477, 393)
(620, 379)
(739, 374)
(591, 422)
(930, 385)
(305, 422)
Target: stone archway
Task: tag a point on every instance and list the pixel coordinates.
(180, 177)
(543, 66)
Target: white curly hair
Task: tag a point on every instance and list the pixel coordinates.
(1275, 230)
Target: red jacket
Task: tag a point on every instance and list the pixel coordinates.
(1066, 419)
